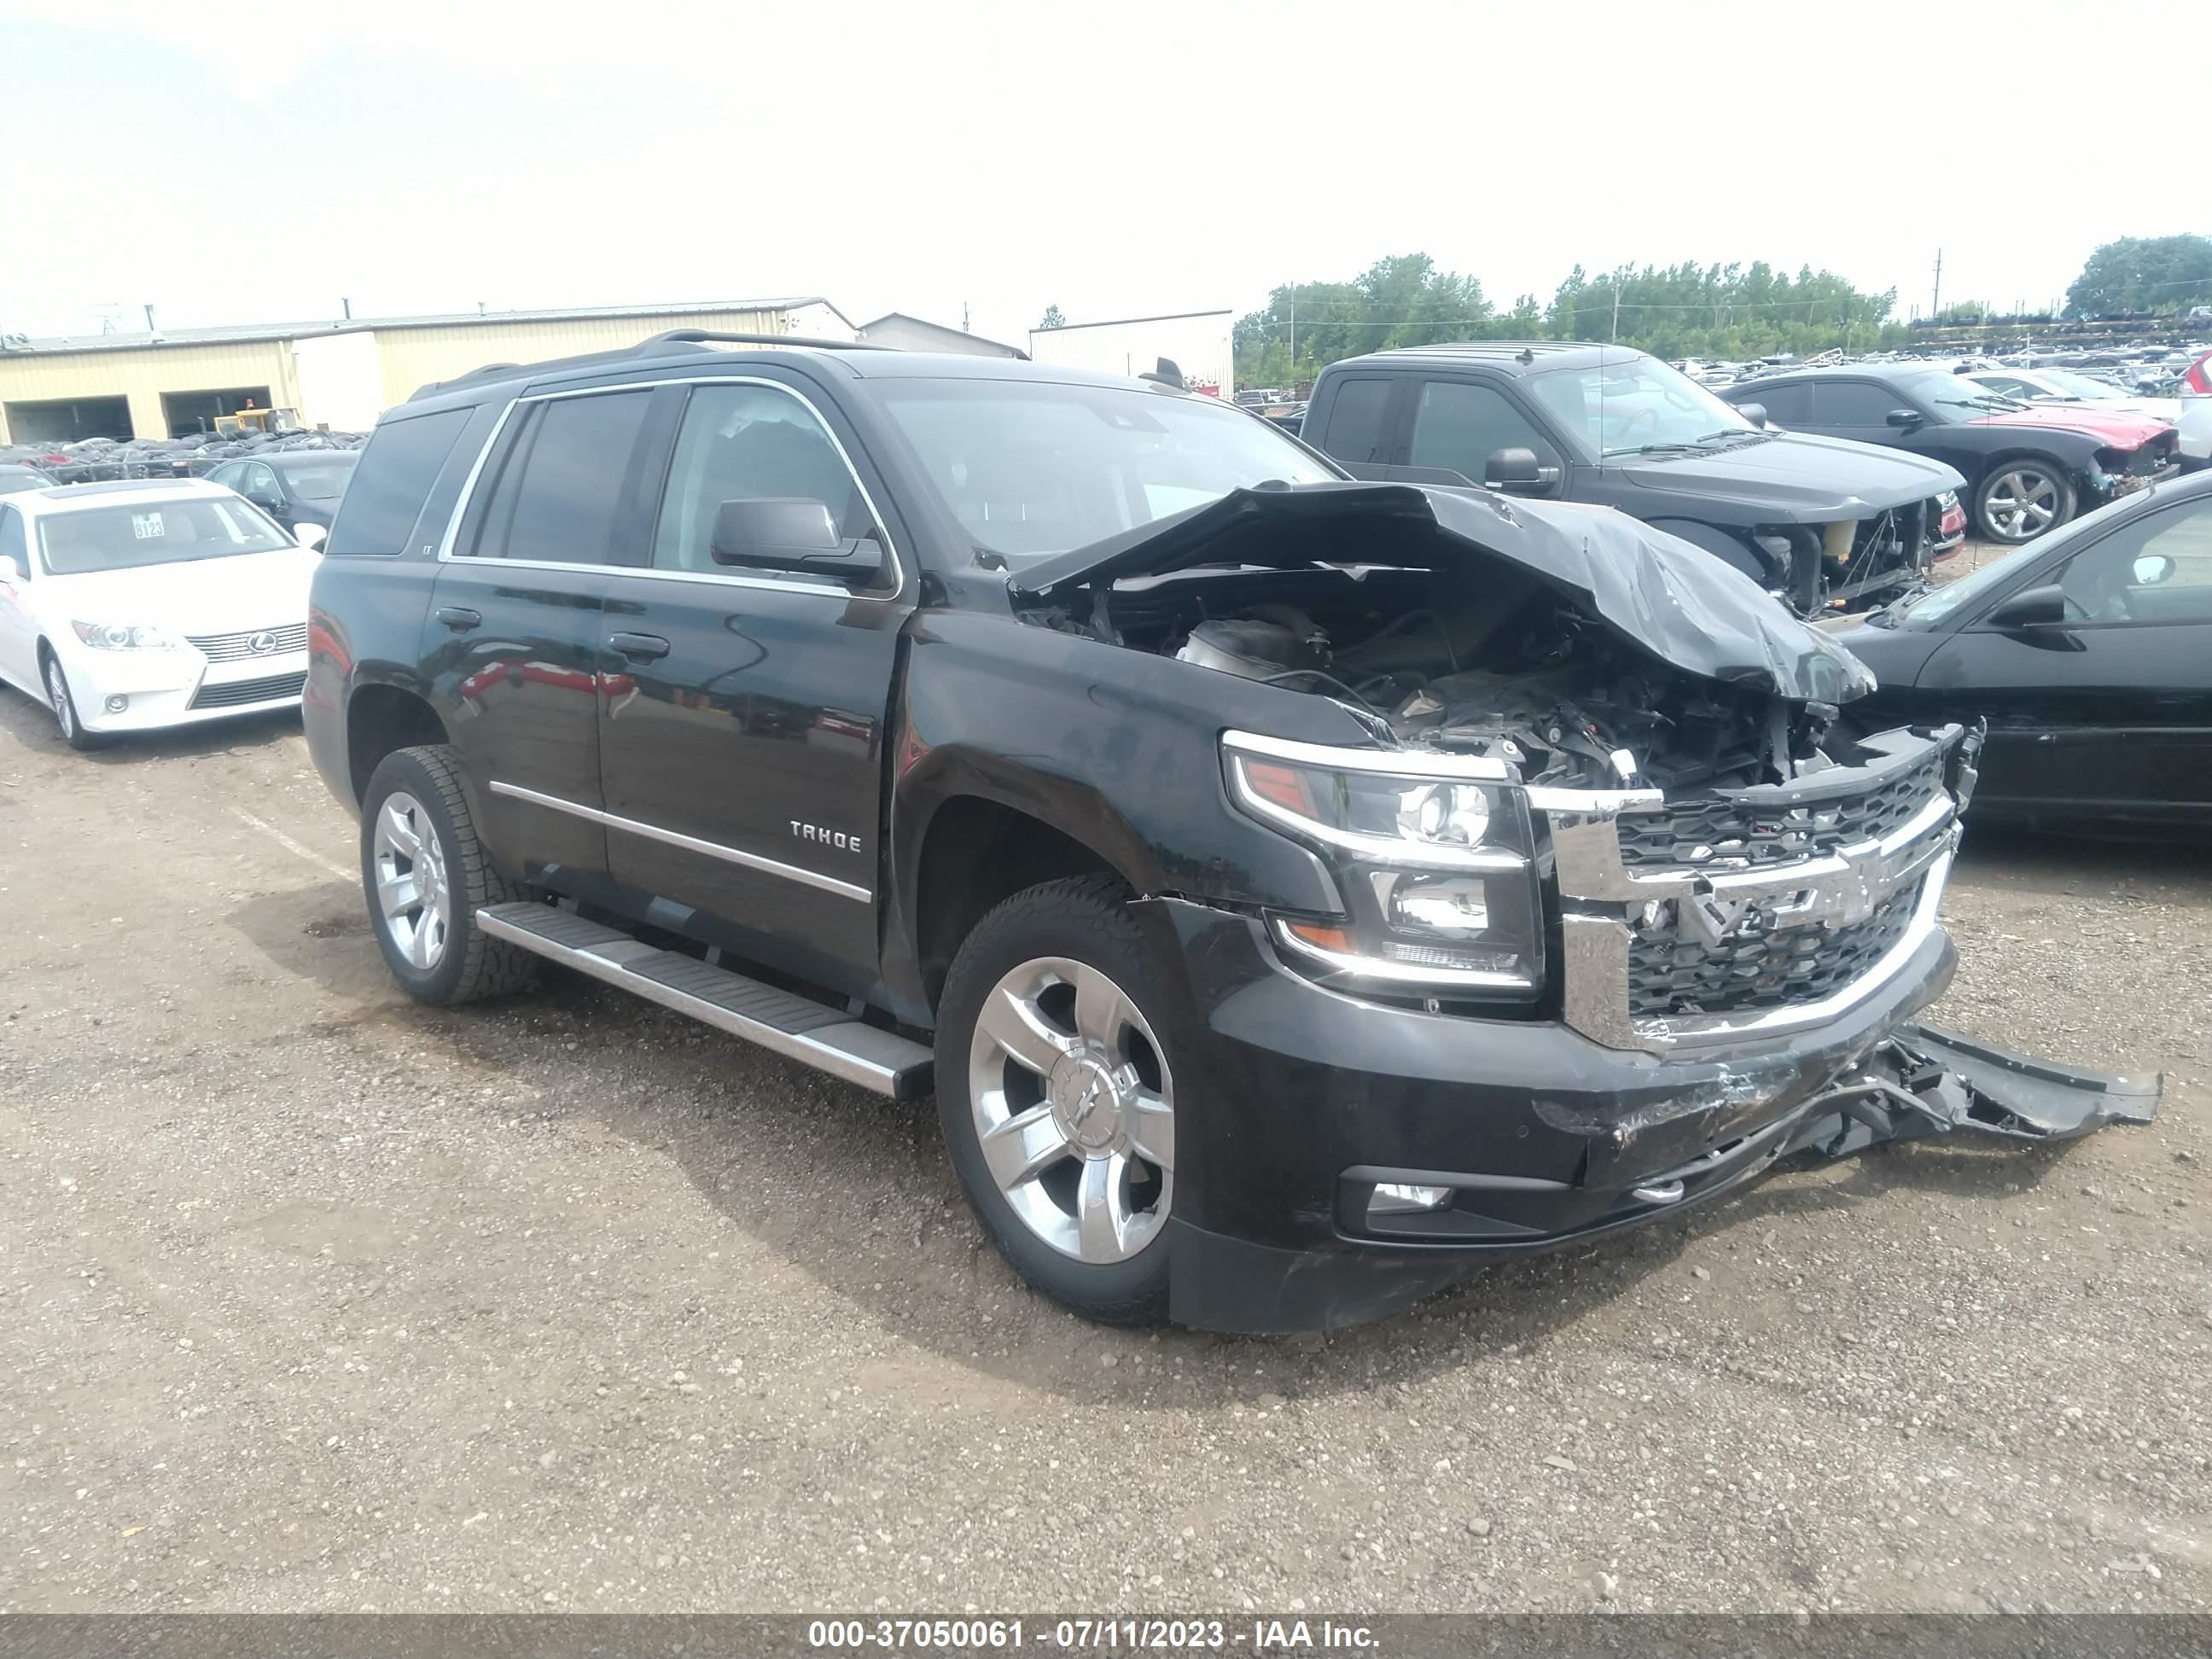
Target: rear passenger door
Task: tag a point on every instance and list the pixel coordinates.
(514, 635)
(742, 725)
(1364, 413)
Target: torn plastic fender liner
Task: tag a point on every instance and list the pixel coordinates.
(1924, 1080)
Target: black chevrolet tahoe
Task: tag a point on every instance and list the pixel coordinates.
(1294, 890)
(1823, 523)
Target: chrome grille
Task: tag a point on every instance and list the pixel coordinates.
(1762, 963)
(239, 647)
(1717, 828)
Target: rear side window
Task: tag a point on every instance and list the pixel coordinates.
(391, 482)
(560, 489)
(1360, 422)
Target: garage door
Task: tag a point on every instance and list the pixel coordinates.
(65, 419)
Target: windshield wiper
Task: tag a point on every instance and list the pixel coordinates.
(1644, 449)
(1735, 432)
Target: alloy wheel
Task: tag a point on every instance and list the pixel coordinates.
(2023, 502)
(58, 694)
(413, 894)
(1074, 1109)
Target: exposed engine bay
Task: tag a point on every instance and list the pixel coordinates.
(1580, 647)
(1517, 671)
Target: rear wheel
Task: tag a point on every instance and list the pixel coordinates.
(2021, 499)
(1058, 1098)
(65, 708)
(426, 875)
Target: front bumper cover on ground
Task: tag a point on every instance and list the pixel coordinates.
(1928, 1081)
(1917, 1082)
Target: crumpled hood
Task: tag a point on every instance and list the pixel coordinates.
(1658, 592)
(1796, 478)
(2118, 431)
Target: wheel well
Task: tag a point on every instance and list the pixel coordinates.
(1997, 463)
(980, 853)
(378, 719)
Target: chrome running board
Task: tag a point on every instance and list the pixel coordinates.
(828, 1039)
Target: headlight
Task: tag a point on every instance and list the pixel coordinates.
(1432, 856)
(115, 637)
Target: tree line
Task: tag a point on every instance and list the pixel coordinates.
(1732, 311)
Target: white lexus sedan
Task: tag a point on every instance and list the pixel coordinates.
(133, 607)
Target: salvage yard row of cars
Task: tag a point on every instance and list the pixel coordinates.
(1297, 879)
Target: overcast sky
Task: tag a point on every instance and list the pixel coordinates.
(233, 161)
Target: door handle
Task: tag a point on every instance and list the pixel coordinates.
(639, 648)
(458, 617)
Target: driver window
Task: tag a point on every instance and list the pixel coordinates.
(1458, 425)
(742, 443)
(2157, 570)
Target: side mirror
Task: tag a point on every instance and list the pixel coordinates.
(791, 532)
(1755, 413)
(2152, 569)
(2031, 607)
(310, 536)
(1516, 472)
(1904, 417)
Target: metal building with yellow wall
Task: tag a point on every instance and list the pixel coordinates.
(340, 375)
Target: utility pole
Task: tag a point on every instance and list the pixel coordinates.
(1294, 333)
(1936, 300)
(963, 318)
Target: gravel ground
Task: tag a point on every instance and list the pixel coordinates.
(317, 1300)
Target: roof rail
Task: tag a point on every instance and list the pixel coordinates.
(676, 338)
(658, 346)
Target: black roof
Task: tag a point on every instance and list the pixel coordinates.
(1889, 373)
(686, 349)
(1508, 357)
(286, 457)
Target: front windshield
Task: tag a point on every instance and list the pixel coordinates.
(137, 533)
(1936, 603)
(1954, 396)
(1638, 403)
(321, 483)
(2070, 384)
(1031, 467)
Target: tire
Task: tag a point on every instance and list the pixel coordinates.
(1087, 1227)
(2022, 498)
(63, 705)
(415, 817)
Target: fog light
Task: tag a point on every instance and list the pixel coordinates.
(116, 705)
(1396, 1198)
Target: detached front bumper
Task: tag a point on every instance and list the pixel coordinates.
(1544, 1133)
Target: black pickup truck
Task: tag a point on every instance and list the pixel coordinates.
(1823, 523)
(1295, 890)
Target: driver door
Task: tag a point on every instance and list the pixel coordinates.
(2110, 710)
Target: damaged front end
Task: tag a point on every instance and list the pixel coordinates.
(1594, 780)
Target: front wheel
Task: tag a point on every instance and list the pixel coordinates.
(2021, 499)
(426, 875)
(1058, 1098)
(65, 708)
